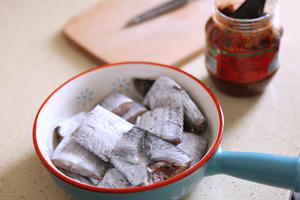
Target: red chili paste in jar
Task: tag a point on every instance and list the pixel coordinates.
(241, 54)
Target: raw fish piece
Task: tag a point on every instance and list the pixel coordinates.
(166, 123)
(142, 86)
(100, 131)
(130, 147)
(113, 179)
(117, 103)
(133, 112)
(73, 157)
(135, 174)
(194, 145)
(130, 158)
(165, 92)
(82, 179)
(159, 150)
(94, 181)
(69, 125)
(75, 177)
(160, 171)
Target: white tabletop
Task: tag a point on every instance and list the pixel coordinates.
(35, 59)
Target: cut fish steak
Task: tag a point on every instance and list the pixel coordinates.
(133, 112)
(194, 145)
(160, 171)
(79, 178)
(159, 150)
(130, 146)
(136, 174)
(73, 157)
(69, 125)
(130, 158)
(113, 179)
(165, 122)
(165, 92)
(117, 103)
(100, 131)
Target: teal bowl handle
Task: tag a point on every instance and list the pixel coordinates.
(275, 170)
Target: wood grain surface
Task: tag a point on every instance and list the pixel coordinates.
(171, 39)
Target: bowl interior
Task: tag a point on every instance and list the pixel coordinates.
(84, 91)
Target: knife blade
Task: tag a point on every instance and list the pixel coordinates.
(157, 11)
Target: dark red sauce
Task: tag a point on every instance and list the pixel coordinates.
(241, 60)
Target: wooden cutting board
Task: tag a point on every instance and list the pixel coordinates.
(171, 39)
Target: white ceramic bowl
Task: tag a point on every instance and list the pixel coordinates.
(85, 90)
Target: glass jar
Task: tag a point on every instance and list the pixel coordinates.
(242, 54)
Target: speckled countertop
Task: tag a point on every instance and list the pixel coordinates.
(35, 59)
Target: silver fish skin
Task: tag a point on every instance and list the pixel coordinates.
(74, 158)
(130, 158)
(113, 179)
(135, 174)
(194, 145)
(69, 125)
(165, 122)
(93, 181)
(159, 150)
(79, 178)
(130, 147)
(165, 92)
(133, 112)
(117, 103)
(100, 131)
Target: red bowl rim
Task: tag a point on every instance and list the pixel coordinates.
(180, 176)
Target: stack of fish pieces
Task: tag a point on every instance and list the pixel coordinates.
(163, 94)
(87, 150)
(172, 114)
(70, 155)
(138, 155)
